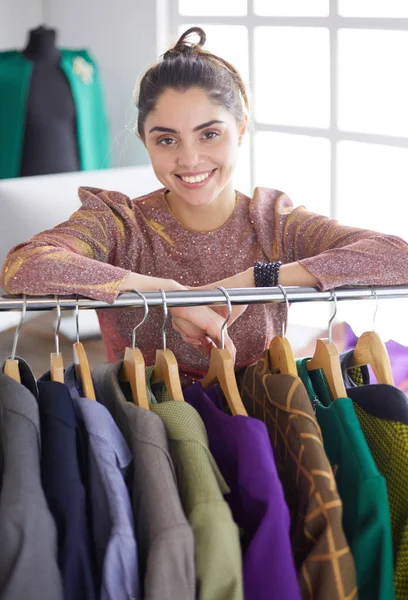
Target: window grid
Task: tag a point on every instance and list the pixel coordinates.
(333, 22)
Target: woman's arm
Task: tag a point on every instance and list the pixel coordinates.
(336, 255)
(77, 256)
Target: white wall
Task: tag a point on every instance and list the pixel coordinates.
(16, 17)
(122, 38)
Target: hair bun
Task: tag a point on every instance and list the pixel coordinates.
(185, 46)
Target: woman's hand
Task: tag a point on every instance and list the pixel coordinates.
(240, 280)
(201, 327)
(197, 325)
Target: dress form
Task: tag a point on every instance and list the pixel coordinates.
(50, 140)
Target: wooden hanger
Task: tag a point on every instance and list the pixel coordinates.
(166, 367)
(280, 354)
(56, 362)
(327, 358)
(221, 369)
(281, 357)
(11, 367)
(371, 350)
(133, 366)
(81, 364)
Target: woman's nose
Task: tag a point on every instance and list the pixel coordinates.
(188, 156)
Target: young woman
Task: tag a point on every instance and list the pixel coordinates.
(197, 231)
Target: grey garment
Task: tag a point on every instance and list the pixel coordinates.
(109, 463)
(28, 537)
(166, 544)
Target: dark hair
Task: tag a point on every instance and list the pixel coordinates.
(187, 65)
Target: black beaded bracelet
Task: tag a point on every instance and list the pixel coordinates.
(266, 274)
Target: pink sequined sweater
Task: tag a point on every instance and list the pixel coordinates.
(111, 235)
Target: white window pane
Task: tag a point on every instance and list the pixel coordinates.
(228, 41)
(292, 76)
(291, 8)
(242, 176)
(373, 88)
(298, 165)
(373, 187)
(373, 8)
(213, 8)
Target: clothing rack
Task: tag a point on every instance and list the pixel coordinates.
(205, 297)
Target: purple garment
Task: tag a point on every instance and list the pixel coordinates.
(109, 460)
(243, 453)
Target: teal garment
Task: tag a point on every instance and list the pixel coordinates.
(363, 491)
(82, 74)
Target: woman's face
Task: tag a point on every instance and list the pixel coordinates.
(193, 145)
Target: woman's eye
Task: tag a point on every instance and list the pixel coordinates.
(210, 135)
(166, 142)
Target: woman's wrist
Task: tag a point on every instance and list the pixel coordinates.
(146, 283)
(289, 274)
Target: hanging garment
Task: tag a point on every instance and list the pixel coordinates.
(372, 399)
(109, 464)
(62, 458)
(363, 491)
(379, 409)
(242, 450)
(166, 543)
(201, 486)
(112, 235)
(323, 559)
(82, 74)
(28, 537)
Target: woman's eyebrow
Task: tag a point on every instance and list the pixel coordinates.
(198, 128)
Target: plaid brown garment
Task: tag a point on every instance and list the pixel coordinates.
(322, 557)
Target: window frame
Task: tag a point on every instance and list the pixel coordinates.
(169, 19)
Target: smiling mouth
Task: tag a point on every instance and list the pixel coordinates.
(191, 179)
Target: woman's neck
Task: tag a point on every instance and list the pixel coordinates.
(41, 46)
(204, 218)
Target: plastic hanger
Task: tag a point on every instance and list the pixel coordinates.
(327, 358)
(221, 369)
(81, 362)
(133, 366)
(281, 357)
(166, 367)
(56, 362)
(11, 368)
(371, 350)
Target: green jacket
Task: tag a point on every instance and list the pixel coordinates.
(363, 491)
(81, 72)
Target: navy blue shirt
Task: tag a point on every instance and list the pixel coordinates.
(62, 458)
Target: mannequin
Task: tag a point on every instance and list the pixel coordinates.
(50, 142)
(52, 109)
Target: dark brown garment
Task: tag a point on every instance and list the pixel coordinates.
(322, 557)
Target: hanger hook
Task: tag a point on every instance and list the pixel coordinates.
(57, 327)
(77, 319)
(333, 293)
(224, 291)
(17, 332)
(146, 307)
(285, 321)
(374, 293)
(166, 315)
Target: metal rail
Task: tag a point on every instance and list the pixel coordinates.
(204, 297)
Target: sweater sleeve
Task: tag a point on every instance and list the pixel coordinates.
(337, 255)
(80, 256)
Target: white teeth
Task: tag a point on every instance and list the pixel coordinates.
(197, 178)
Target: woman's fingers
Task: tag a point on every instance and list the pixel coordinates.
(201, 327)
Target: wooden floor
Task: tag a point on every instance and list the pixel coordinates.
(36, 341)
